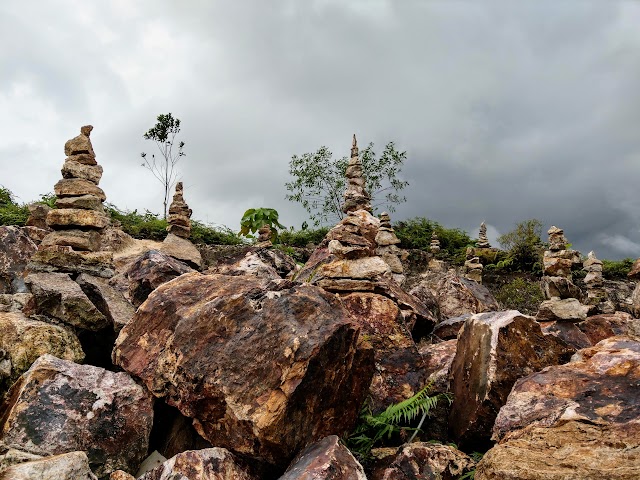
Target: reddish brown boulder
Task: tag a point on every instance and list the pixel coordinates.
(107, 299)
(56, 295)
(575, 421)
(494, 350)
(16, 249)
(426, 461)
(206, 464)
(599, 327)
(326, 459)
(449, 329)
(568, 332)
(263, 368)
(150, 271)
(65, 259)
(59, 406)
(399, 367)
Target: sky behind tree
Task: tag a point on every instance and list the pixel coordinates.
(507, 110)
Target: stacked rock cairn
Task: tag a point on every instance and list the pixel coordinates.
(483, 241)
(596, 294)
(434, 246)
(264, 237)
(558, 263)
(388, 249)
(179, 215)
(473, 269)
(79, 220)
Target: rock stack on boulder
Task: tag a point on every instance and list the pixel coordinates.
(388, 249)
(483, 250)
(179, 215)
(355, 197)
(473, 269)
(177, 244)
(74, 245)
(483, 241)
(434, 247)
(596, 293)
(264, 237)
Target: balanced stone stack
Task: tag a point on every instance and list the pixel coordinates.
(434, 247)
(264, 237)
(355, 196)
(483, 241)
(388, 249)
(473, 269)
(79, 220)
(179, 215)
(596, 293)
(558, 263)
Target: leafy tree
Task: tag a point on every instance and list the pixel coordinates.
(254, 218)
(524, 246)
(319, 181)
(163, 133)
(416, 233)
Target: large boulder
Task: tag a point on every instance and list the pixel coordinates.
(16, 249)
(183, 250)
(107, 299)
(206, 464)
(56, 295)
(23, 340)
(326, 459)
(263, 368)
(66, 466)
(59, 406)
(494, 350)
(426, 461)
(567, 309)
(575, 421)
(458, 295)
(568, 332)
(399, 367)
(599, 327)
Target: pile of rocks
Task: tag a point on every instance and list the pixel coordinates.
(596, 293)
(179, 215)
(355, 196)
(79, 220)
(388, 249)
(483, 241)
(558, 263)
(473, 268)
(434, 247)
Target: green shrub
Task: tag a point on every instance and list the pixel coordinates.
(520, 294)
(11, 213)
(416, 233)
(147, 226)
(201, 233)
(616, 269)
(524, 247)
(301, 238)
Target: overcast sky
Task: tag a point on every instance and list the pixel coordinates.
(507, 110)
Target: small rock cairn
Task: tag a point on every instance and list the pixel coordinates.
(434, 246)
(355, 196)
(179, 215)
(596, 294)
(388, 249)
(79, 220)
(558, 262)
(483, 241)
(473, 269)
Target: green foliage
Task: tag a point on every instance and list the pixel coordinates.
(302, 238)
(372, 429)
(524, 247)
(48, 199)
(163, 133)
(210, 235)
(319, 181)
(146, 225)
(11, 213)
(254, 218)
(416, 233)
(616, 269)
(520, 294)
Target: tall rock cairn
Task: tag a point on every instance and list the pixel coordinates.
(558, 262)
(388, 249)
(594, 281)
(355, 195)
(179, 215)
(483, 241)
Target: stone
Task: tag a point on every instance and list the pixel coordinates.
(428, 299)
(600, 327)
(251, 264)
(264, 368)
(182, 249)
(75, 187)
(568, 309)
(494, 350)
(254, 260)
(426, 461)
(65, 259)
(80, 144)
(73, 169)
(121, 475)
(556, 267)
(107, 299)
(355, 196)
(458, 295)
(264, 233)
(473, 269)
(85, 202)
(360, 268)
(14, 302)
(84, 158)
(634, 273)
(483, 241)
(76, 217)
(560, 287)
(56, 295)
(38, 215)
(59, 406)
(434, 247)
(179, 214)
(205, 464)
(11, 456)
(66, 466)
(150, 271)
(568, 332)
(326, 459)
(574, 421)
(153, 460)
(557, 240)
(449, 328)
(86, 240)
(35, 234)
(23, 340)
(16, 248)
(399, 370)
(387, 241)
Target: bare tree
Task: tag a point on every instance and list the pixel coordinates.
(164, 134)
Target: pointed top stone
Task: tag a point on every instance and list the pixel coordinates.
(483, 241)
(86, 130)
(355, 196)
(354, 146)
